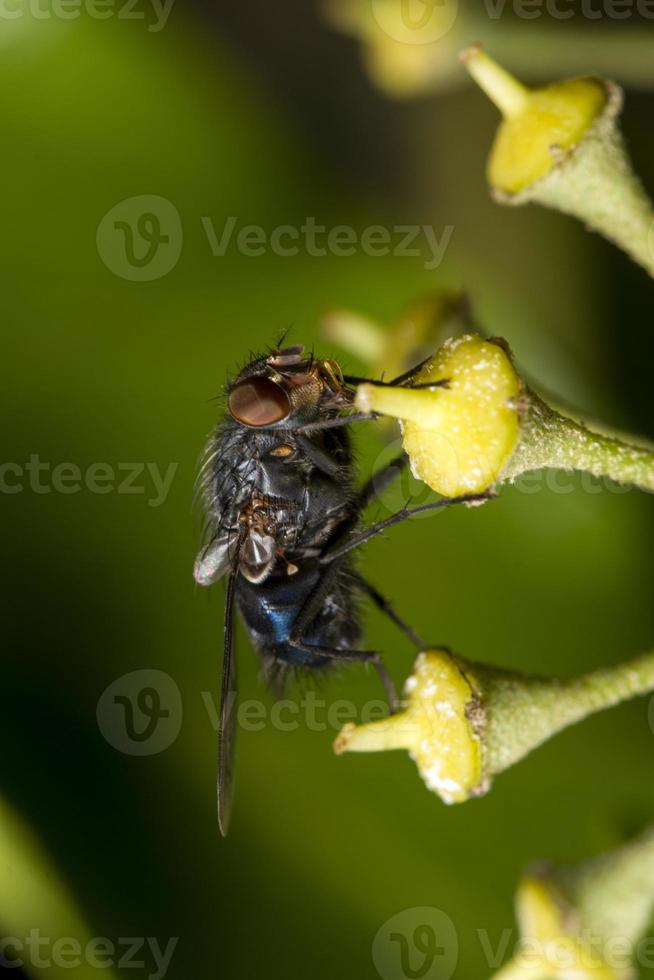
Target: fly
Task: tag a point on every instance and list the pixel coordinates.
(283, 516)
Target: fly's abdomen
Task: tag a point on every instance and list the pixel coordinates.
(269, 612)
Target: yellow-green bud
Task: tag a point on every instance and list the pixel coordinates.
(459, 438)
(539, 124)
(463, 723)
(435, 727)
(560, 146)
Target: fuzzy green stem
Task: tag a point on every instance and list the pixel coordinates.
(523, 712)
(554, 441)
(614, 894)
(595, 182)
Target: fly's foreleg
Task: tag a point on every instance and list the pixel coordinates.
(380, 481)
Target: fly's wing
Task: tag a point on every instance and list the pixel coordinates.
(214, 560)
(227, 729)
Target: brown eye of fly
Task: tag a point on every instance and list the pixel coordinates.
(258, 401)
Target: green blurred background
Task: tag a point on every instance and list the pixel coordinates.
(265, 114)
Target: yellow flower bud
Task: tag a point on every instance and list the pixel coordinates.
(459, 438)
(435, 726)
(549, 950)
(586, 920)
(560, 146)
(463, 723)
(539, 124)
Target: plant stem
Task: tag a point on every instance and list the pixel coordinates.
(615, 892)
(597, 184)
(551, 440)
(523, 712)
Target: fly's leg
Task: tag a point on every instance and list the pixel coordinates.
(380, 481)
(360, 656)
(401, 379)
(350, 379)
(318, 456)
(337, 423)
(341, 548)
(386, 607)
(312, 606)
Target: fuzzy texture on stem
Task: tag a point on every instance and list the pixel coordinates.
(522, 712)
(464, 723)
(561, 147)
(486, 427)
(460, 437)
(595, 182)
(550, 440)
(585, 920)
(614, 893)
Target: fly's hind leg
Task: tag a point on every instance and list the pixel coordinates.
(361, 656)
(385, 606)
(312, 606)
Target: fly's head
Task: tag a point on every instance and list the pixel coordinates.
(286, 389)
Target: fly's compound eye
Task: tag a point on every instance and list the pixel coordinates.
(258, 401)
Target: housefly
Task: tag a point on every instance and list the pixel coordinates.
(283, 515)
